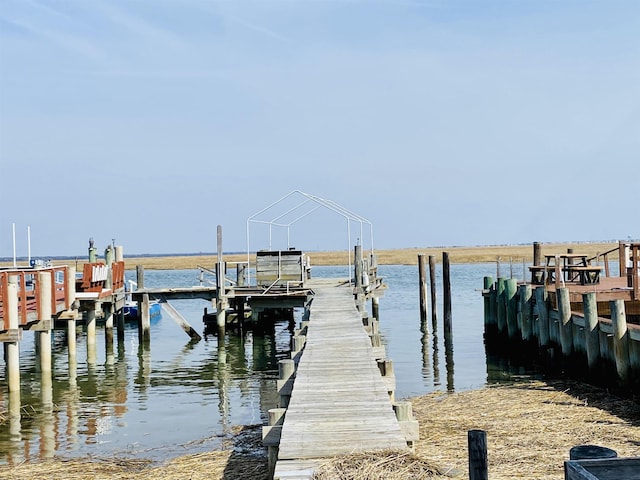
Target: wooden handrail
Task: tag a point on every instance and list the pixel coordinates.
(29, 293)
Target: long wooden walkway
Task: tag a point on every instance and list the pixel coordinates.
(339, 403)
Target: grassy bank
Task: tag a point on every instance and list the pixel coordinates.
(531, 426)
(403, 256)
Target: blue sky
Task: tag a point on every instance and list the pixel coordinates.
(441, 122)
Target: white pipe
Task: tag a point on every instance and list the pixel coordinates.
(29, 245)
(15, 265)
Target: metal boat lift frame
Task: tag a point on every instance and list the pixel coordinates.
(307, 205)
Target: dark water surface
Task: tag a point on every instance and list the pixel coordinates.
(181, 397)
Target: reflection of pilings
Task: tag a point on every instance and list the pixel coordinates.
(426, 356)
(223, 387)
(108, 331)
(436, 361)
(448, 354)
(91, 333)
(14, 408)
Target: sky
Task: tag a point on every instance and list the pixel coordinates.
(148, 123)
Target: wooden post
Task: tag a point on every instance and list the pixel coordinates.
(108, 308)
(591, 329)
(91, 333)
(501, 304)
(119, 253)
(526, 311)
(12, 349)
(566, 325)
(221, 304)
(446, 285)
(543, 316)
(241, 274)
(140, 276)
(71, 321)
(537, 257)
(620, 338)
(358, 266)
(45, 315)
(478, 469)
(510, 290)
(487, 287)
(422, 263)
(144, 320)
(432, 285)
(375, 307)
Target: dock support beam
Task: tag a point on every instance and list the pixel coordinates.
(91, 333)
(44, 337)
(12, 349)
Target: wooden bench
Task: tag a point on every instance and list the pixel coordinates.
(589, 275)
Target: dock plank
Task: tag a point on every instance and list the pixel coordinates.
(339, 403)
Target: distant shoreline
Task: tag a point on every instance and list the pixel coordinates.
(403, 256)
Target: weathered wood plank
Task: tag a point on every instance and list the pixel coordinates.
(339, 403)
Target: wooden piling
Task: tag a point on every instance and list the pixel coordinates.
(446, 286)
(45, 315)
(12, 349)
(511, 305)
(91, 333)
(591, 329)
(358, 273)
(543, 315)
(566, 325)
(71, 321)
(478, 465)
(432, 285)
(526, 311)
(424, 328)
(501, 305)
(620, 338)
(221, 300)
(488, 286)
(140, 276)
(144, 320)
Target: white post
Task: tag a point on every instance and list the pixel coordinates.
(13, 350)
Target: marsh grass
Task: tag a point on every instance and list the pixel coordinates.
(530, 425)
(403, 256)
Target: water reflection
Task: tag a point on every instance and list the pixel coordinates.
(156, 399)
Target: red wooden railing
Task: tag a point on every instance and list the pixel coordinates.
(29, 291)
(94, 276)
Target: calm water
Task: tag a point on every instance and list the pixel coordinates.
(180, 397)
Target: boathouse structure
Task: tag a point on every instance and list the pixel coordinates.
(575, 313)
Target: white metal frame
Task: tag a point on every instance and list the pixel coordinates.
(315, 203)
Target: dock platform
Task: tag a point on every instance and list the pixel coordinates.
(339, 403)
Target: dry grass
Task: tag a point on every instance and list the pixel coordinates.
(530, 428)
(404, 256)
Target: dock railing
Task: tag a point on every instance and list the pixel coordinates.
(28, 292)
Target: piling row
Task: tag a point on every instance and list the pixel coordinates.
(563, 333)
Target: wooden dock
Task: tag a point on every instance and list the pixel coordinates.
(588, 325)
(340, 402)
